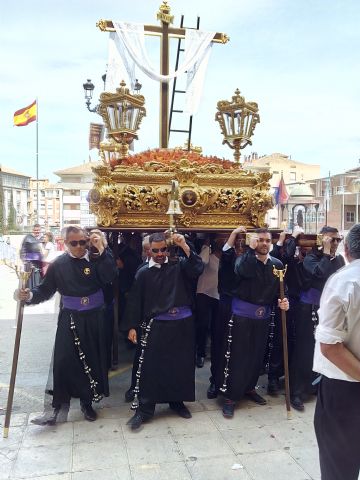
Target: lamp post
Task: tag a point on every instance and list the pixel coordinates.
(88, 91)
(237, 120)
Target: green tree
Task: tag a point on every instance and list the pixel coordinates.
(11, 220)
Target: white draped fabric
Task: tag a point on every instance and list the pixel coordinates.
(127, 48)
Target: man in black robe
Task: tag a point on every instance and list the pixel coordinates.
(80, 364)
(288, 252)
(256, 293)
(227, 281)
(160, 301)
(318, 266)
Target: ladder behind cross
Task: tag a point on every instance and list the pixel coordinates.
(180, 49)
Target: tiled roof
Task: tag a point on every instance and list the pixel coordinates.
(5, 169)
(78, 170)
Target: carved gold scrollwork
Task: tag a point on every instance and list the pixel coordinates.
(211, 195)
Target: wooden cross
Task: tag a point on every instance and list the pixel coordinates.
(165, 32)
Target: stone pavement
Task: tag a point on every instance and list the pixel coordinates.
(258, 443)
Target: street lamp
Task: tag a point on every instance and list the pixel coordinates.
(88, 91)
(237, 120)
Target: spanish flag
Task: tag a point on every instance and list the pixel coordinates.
(25, 115)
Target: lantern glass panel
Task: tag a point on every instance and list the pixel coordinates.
(111, 115)
(227, 123)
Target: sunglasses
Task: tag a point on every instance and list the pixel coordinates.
(75, 243)
(157, 250)
(336, 239)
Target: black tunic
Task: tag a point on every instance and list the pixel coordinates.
(317, 267)
(78, 278)
(258, 285)
(168, 371)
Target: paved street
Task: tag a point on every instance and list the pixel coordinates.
(258, 443)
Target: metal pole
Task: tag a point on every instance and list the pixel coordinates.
(37, 162)
(357, 208)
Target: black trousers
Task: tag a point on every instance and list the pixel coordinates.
(337, 428)
(300, 367)
(206, 315)
(147, 408)
(276, 357)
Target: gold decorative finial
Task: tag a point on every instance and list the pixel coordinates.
(164, 13)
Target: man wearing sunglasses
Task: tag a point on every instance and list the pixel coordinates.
(160, 302)
(318, 266)
(80, 367)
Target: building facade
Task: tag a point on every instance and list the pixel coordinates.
(75, 183)
(50, 204)
(338, 197)
(294, 173)
(15, 188)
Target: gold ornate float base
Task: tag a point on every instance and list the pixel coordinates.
(214, 194)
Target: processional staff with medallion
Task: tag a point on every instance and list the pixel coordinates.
(165, 32)
(281, 274)
(23, 273)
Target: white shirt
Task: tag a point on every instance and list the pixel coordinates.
(152, 262)
(208, 280)
(339, 318)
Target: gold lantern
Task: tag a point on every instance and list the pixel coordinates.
(237, 120)
(122, 113)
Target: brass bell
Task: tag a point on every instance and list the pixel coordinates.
(174, 208)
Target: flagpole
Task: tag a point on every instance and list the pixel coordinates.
(37, 162)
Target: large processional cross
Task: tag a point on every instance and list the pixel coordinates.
(165, 31)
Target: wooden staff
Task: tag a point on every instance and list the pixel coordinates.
(23, 277)
(280, 274)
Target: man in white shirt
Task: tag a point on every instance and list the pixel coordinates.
(337, 358)
(207, 299)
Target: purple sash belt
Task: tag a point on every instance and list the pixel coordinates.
(250, 310)
(33, 256)
(311, 296)
(175, 313)
(80, 304)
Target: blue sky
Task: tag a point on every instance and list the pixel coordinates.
(299, 60)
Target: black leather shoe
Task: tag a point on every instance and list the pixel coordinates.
(228, 408)
(180, 409)
(255, 397)
(273, 386)
(89, 412)
(199, 361)
(297, 403)
(136, 421)
(129, 395)
(211, 391)
(47, 418)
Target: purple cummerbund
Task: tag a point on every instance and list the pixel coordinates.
(250, 310)
(175, 313)
(80, 304)
(311, 296)
(32, 256)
